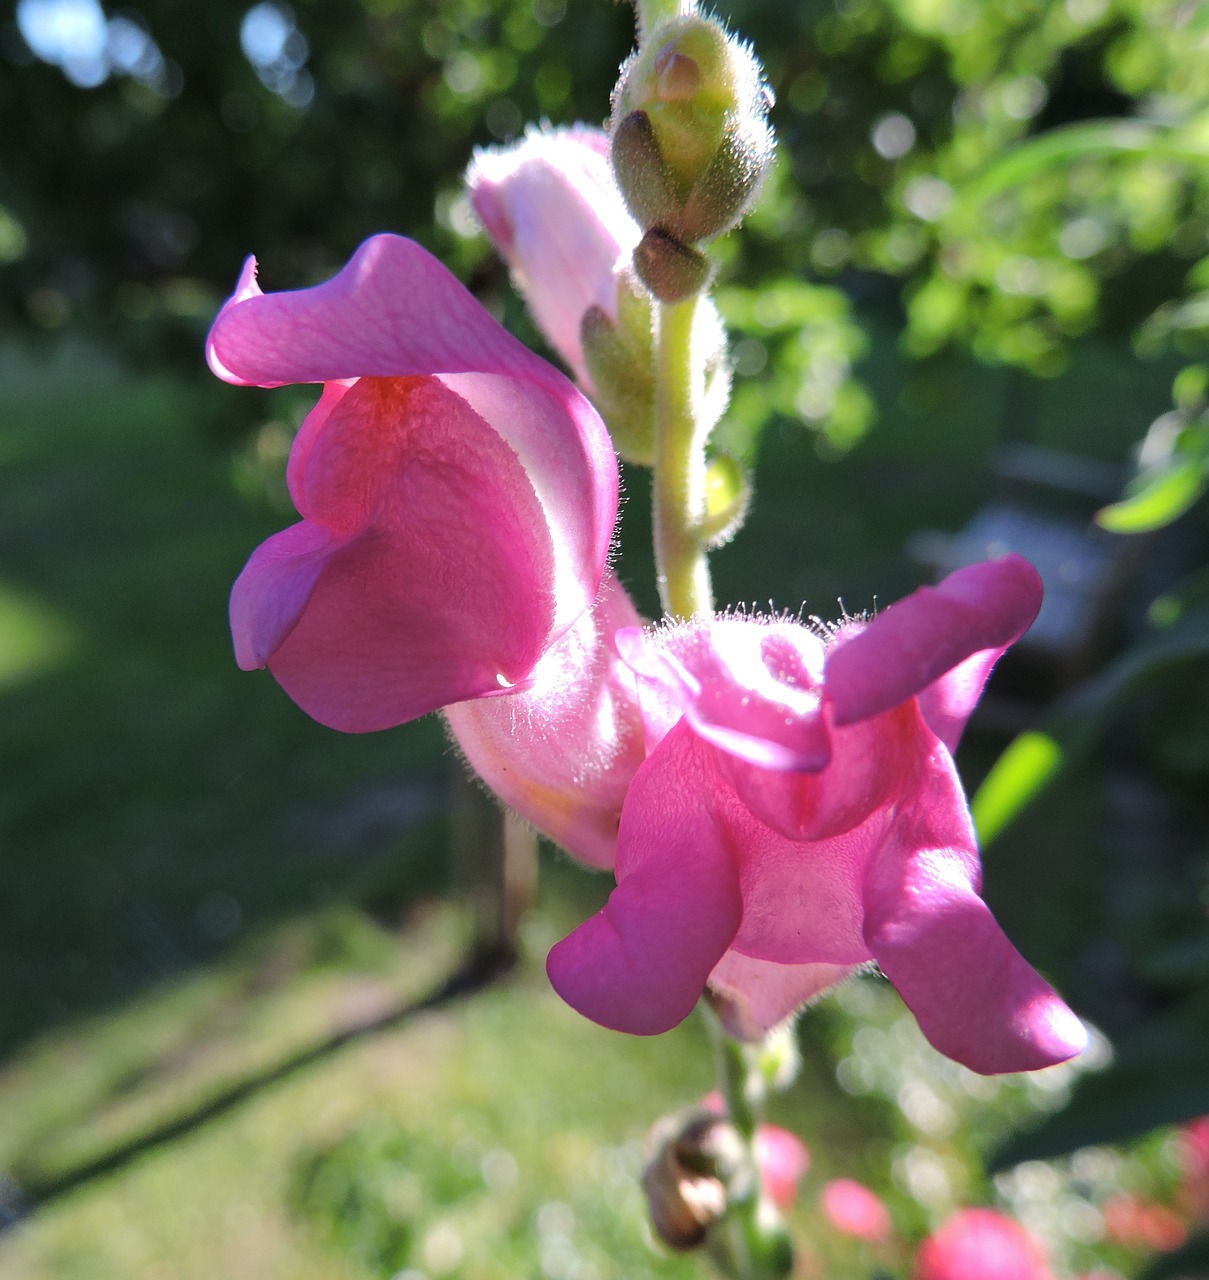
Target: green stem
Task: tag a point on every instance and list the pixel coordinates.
(679, 479)
(741, 1225)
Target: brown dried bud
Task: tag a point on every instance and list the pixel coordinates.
(696, 1158)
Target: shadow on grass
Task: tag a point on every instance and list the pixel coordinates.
(21, 1198)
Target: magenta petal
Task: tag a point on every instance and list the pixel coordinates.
(975, 997)
(270, 594)
(871, 763)
(753, 996)
(914, 642)
(437, 586)
(642, 963)
(750, 687)
(948, 703)
(392, 311)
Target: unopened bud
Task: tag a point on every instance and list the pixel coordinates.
(672, 271)
(619, 356)
(691, 140)
(727, 497)
(550, 205)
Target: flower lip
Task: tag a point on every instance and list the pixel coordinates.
(751, 688)
(900, 652)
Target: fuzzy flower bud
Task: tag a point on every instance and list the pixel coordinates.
(691, 140)
(552, 210)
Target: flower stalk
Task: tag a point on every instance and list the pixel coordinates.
(679, 478)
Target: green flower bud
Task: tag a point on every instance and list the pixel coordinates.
(727, 498)
(619, 355)
(691, 140)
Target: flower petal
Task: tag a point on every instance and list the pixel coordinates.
(437, 585)
(916, 641)
(392, 311)
(551, 207)
(395, 311)
(750, 687)
(753, 996)
(641, 964)
(270, 594)
(975, 997)
(563, 751)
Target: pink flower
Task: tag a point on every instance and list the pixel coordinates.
(1139, 1223)
(782, 1157)
(799, 815)
(458, 494)
(551, 208)
(984, 1244)
(853, 1209)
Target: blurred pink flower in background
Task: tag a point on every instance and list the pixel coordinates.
(852, 1208)
(1140, 1223)
(458, 494)
(980, 1244)
(552, 210)
(799, 815)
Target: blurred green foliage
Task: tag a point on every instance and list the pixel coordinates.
(1011, 174)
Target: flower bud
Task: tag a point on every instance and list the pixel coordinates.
(691, 140)
(672, 271)
(689, 1180)
(727, 498)
(618, 353)
(552, 209)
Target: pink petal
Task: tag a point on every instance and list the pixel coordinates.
(270, 594)
(437, 584)
(563, 751)
(392, 311)
(751, 688)
(753, 996)
(395, 311)
(975, 997)
(916, 641)
(802, 900)
(642, 963)
(853, 1209)
(871, 764)
(550, 205)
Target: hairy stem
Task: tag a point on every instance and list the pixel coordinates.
(679, 479)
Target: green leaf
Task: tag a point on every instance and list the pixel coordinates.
(1156, 498)
(1158, 1078)
(1059, 148)
(1021, 773)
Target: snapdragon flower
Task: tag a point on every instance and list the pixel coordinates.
(799, 816)
(458, 494)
